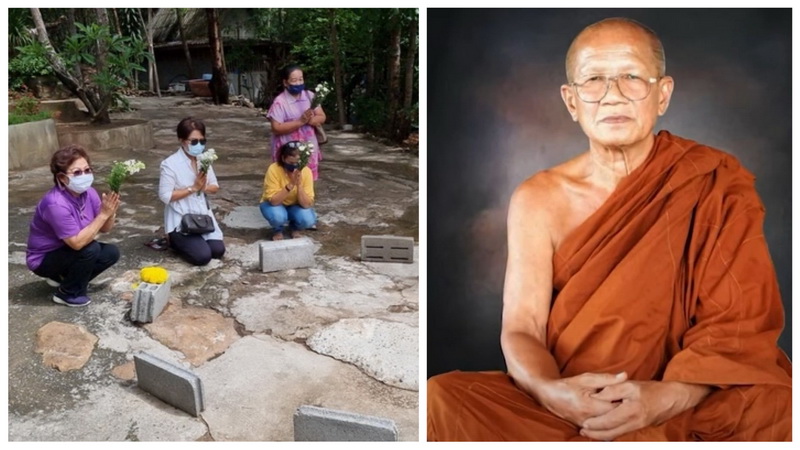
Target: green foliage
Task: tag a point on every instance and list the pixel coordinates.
(26, 109)
(16, 118)
(371, 113)
(28, 63)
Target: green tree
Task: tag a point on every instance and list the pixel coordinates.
(93, 63)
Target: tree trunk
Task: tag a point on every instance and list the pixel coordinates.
(394, 72)
(219, 77)
(190, 70)
(337, 70)
(116, 21)
(152, 68)
(75, 85)
(408, 91)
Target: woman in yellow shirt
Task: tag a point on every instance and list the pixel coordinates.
(288, 193)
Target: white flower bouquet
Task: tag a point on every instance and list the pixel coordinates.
(120, 171)
(206, 159)
(306, 149)
(322, 90)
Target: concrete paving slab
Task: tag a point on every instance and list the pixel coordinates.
(253, 390)
(387, 351)
(110, 413)
(246, 217)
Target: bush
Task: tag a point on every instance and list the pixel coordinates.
(371, 113)
(29, 63)
(26, 109)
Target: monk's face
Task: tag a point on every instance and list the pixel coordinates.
(616, 120)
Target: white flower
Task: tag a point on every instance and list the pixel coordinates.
(132, 166)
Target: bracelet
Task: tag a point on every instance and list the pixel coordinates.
(190, 189)
(287, 188)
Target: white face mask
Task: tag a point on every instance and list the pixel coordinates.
(80, 183)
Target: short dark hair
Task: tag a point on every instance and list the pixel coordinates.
(189, 124)
(286, 72)
(64, 157)
(288, 149)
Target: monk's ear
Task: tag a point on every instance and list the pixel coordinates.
(665, 87)
(570, 100)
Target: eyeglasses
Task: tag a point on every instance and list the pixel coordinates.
(293, 144)
(196, 141)
(632, 87)
(79, 172)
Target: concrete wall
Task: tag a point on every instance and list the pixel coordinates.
(31, 144)
(120, 134)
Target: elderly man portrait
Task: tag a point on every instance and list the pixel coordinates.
(640, 300)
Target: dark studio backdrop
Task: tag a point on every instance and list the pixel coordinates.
(495, 117)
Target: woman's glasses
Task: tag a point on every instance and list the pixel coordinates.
(293, 144)
(79, 172)
(196, 141)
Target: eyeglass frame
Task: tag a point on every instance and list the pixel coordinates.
(197, 141)
(650, 82)
(79, 172)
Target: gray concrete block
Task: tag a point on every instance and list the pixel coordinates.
(312, 423)
(387, 249)
(149, 300)
(170, 383)
(286, 254)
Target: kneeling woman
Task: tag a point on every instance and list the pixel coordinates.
(288, 193)
(61, 244)
(183, 188)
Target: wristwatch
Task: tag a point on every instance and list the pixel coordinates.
(190, 189)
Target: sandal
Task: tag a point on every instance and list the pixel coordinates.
(157, 244)
(278, 236)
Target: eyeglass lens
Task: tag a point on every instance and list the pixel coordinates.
(79, 172)
(631, 86)
(195, 141)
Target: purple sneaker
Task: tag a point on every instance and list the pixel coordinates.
(62, 299)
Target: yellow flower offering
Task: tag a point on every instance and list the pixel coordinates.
(154, 275)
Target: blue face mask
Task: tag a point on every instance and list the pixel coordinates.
(290, 167)
(296, 89)
(81, 183)
(196, 150)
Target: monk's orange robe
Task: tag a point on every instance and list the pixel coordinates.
(669, 280)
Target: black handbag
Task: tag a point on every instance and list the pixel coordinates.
(196, 224)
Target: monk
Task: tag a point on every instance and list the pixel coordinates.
(640, 300)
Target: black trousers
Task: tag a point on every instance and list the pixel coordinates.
(194, 249)
(75, 268)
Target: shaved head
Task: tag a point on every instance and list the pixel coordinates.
(616, 25)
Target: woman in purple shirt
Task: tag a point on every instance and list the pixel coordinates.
(291, 117)
(61, 244)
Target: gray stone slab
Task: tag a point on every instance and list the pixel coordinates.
(149, 300)
(170, 383)
(387, 249)
(286, 254)
(312, 423)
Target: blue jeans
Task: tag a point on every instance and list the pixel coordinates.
(299, 218)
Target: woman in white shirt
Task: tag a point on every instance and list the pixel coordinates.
(184, 188)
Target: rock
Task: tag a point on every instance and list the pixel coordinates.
(64, 346)
(125, 371)
(198, 333)
(387, 351)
